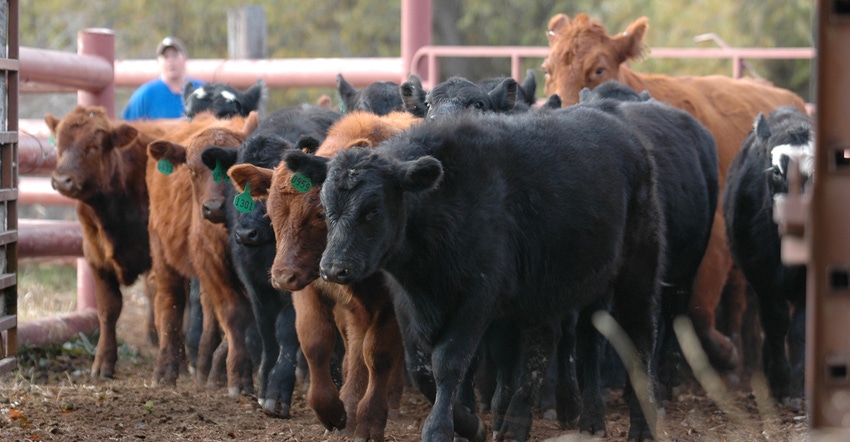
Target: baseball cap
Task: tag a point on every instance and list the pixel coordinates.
(170, 42)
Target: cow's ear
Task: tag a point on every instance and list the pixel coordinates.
(503, 96)
(251, 123)
(123, 135)
(413, 97)
(52, 123)
(553, 102)
(761, 127)
(316, 168)
(165, 149)
(255, 94)
(307, 144)
(556, 23)
(630, 43)
(346, 92)
(259, 178)
(421, 174)
(212, 156)
(188, 89)
(529, 87)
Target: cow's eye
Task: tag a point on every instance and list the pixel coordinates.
(320, 215)
(372, 214)
(479, 105)
(600, 71)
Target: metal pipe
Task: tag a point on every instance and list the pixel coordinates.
(85, 72)
(49, 238)
(38, 190)
(98, 42)
(276, 73)
(59, 328)
(415, 33)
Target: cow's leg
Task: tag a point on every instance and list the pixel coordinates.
(109, 303)
(210, 339)
(150, 293)
(418, 362)
(567, 395)
(317, 332)
(282, 377)
(711, 278)
(352, 322)
(169, 305)
(502, 346)
(381, 349)
(636, 294)
(797, 349)
(535, 354)
(775, 321)
(266, 305)
(193, 324)
(234, 315)
(588, 354)
(450, 361)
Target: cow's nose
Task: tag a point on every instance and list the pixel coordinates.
(335, 272)
(62, 182)
(247, 236)
(213, 210)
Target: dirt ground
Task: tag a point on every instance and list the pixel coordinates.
(53, 399)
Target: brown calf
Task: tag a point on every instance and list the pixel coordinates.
(582, 54)
(363, 312)
(184, 245)
(101, 163)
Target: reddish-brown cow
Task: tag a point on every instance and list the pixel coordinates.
(185, 245)
(101, 164)
(363, 312)
(582, 54)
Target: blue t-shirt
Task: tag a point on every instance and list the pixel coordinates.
(154, 100)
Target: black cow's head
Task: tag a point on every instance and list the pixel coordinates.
(458, 94)
(784, 137)
(380, 97)
(222, 100)
(364, 199)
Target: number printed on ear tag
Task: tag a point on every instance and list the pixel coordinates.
(164, 166)
(300, 182)
(243, 202)
(219, 174)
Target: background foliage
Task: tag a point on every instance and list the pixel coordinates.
(367, 28)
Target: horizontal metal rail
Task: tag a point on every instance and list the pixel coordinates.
(519, 53)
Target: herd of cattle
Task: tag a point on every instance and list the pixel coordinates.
(460, 237)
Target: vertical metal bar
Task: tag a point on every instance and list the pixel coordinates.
(828, 284)
(98, 42)
(415, 33)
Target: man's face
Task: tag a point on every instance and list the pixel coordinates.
(172, 64)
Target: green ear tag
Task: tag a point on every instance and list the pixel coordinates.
(219, 174)
(300, 182)
(165, 166)
(243, 202)
(52, 140)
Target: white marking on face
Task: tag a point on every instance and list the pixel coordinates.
(200, 93)
(804, 155)
(228, 96)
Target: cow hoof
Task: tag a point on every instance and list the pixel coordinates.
(272, 408)
(550, 415)
(233, 391)
(261, 401)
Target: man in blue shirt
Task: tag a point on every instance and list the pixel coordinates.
(162, 97)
